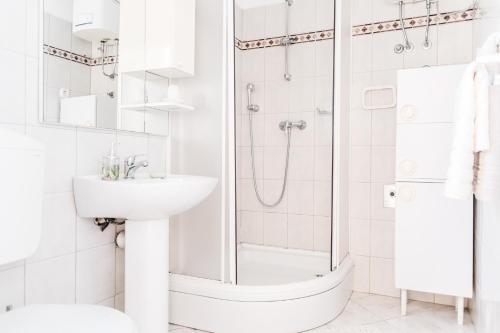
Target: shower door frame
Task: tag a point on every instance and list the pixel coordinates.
(230, 276)
(268, 308)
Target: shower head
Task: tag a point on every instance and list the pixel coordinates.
(289, 2)
(250, 106)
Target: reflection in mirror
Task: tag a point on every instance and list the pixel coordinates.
(142, 98)
(80, 45)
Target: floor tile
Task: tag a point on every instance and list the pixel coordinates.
(354, 315)
(433, 321)
(389, 307)
(367, 313)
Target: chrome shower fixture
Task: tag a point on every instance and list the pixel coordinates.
(288, 40)
(250, 91)
(286, 126)
(427, 42)
(408, 45)
(106, 44)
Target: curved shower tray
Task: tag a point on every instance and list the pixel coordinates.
(287, 308)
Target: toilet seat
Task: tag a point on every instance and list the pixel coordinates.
(66, 319)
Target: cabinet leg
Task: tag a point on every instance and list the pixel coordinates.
(404, 301)
(460, 307)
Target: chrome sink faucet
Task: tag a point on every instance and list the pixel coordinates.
(131, 166)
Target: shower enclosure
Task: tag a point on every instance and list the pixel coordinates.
(279, 260)
(284, 142)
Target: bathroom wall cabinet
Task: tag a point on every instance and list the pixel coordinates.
(157, 44)
(157, 36)
(434, 234)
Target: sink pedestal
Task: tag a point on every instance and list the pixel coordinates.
(146, 274)
(147, 204)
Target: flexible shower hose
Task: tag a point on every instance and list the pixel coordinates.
(402, 23)
(252, 157)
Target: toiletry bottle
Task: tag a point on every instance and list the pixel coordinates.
(111, 165)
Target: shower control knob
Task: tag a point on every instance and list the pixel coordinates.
(407, 193)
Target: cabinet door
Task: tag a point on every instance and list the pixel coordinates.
(132, 30)
(423, 151)
(170, 37)
(434, 238)
(427, 95)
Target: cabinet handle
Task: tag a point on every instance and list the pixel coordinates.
(406, 193)
(408, 113)
(408, 167)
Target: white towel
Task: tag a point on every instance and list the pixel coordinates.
(488, 166)
(472, 127)
(472, 133)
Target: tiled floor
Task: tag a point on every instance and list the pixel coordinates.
(380, 314)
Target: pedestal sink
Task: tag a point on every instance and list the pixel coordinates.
(147, 205)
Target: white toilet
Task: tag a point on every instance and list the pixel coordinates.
(21, 193)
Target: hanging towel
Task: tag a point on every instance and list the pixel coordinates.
(488, 162)
(472, 125)
(459, 183)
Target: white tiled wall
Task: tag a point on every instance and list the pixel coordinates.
(373, 132)
(301, 221)
(75, 261)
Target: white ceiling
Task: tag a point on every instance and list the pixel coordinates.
(245, 4)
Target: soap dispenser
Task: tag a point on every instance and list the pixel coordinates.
(111, 164)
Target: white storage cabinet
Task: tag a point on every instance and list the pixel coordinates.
(434, 234)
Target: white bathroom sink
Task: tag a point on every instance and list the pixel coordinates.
(140, 199)
(146, 204)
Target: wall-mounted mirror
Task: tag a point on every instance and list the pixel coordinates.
(81, 79)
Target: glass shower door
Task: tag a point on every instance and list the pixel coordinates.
(284, 85)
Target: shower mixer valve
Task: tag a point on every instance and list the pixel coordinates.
(288, 125)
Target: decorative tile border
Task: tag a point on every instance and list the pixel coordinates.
(276, 41)
(364, 29)
(78, 58)
(414, 22)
